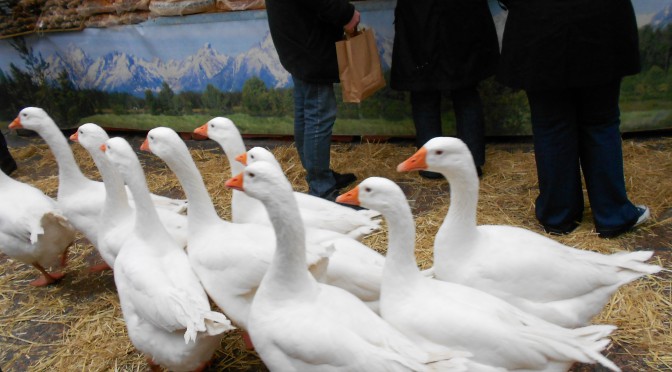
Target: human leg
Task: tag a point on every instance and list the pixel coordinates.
(559, 206)
(315, 113)
(470, 122)
(426, 112)
(7, 162)
(601, 156)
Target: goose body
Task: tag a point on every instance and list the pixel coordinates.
(79, 198)
(435, 313)
(231, 258)
(315, 212)
(115, 220)
(298, 324)
(166, 310)
(32, 229)
(561, 284)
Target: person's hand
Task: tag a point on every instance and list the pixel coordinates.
(352, 25)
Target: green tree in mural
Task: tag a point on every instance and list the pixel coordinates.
(213, 100)
(256, 98)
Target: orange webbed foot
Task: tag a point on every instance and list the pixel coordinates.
(47, 279)
(99, 267)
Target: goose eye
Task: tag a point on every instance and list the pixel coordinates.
(212, 125)
(251, 156)
(251, 175)
(151, 138)
(438, 152)
(367, 189)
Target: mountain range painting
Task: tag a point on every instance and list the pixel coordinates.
(222, 50)
(187, 53)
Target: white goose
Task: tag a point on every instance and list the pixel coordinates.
(32, 230)
(116, 218)
(315, 212)
(79, 198)
(561, 284)
(434, 313)
(166, 310)
(231, 258)
(298, 324)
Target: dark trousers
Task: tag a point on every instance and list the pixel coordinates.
(470, 123)
(577, 130)
(5, 156)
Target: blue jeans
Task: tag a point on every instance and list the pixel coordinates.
(314, 116)
(577, 130)
(470, 123)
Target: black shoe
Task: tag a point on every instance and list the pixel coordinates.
(8, 166)
(430, 175)
(343, 180)
(561, 230)
(644, 215)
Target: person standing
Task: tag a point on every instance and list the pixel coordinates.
(7, 162)
(445, 46)
(305, 33)
(570, 56)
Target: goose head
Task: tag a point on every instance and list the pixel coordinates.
(256, 154)
(376, 193)
(163, 142)
(446, 155)
(33, 118)
(90, 136)
(261, 180)
(220, 129)
(120, 153)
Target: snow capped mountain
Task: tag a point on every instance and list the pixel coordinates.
(662, 18)
(118, 71)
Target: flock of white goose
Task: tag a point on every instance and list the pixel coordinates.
(291, 270)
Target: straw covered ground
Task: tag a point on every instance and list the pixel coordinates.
(77, 324)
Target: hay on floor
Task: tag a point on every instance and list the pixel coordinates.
(78, 325)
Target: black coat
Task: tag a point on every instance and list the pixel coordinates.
(305, 32)
(442, 44)
(557, 44)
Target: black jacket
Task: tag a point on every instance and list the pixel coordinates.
(442, 44)
(557, 44)
(305, 32)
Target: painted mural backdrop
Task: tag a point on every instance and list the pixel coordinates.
(180, 71)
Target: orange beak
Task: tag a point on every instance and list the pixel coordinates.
(103, 148)
(235, 183)
(242, 158)
(202, 130)
(74, 137)
(417, 161)
(15, 124)
(145, 146)
(350, 197)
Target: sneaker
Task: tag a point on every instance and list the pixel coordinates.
(644, 215)
(343, 180)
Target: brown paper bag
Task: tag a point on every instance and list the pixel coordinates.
(359, 66)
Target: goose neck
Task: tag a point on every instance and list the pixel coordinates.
(69, 173)
(400, 263)
(147, 222)
(201, 209)
(463, 202)
(288, 269)
(232, 148)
